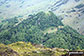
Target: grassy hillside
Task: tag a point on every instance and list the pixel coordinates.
(28, 49)
(7, 51)
(46, 29)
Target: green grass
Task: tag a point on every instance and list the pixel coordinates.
(50, 30)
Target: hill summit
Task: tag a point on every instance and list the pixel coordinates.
(42, 28)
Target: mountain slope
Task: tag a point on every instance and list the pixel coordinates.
(28, 49)
(40, 29)
(71, 11)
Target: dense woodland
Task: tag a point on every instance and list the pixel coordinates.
(39, 29)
